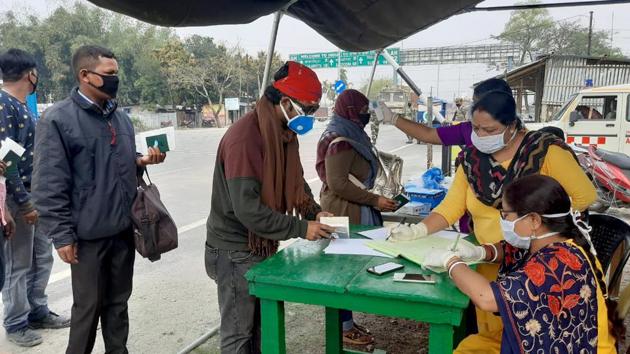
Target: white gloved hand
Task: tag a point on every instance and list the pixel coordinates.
(408, 232)
(470, 253)
(382, 112)
(438, 260)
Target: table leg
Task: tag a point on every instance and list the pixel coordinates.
(272, 326)
(333, 331)
(440, 338)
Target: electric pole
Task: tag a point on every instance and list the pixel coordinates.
(590, 33)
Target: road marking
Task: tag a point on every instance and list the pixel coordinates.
(64, 274)
(400, 148)
(59, 276)
(192, 226)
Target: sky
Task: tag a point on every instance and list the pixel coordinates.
(454, 80)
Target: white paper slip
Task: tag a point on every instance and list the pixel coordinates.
(10, 145)
(355, 247)
(376, 234)
(11, 153)
(164, 138)
(340, 223)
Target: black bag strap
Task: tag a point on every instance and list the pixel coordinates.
(140, 177)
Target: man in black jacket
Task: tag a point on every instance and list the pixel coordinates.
(84, 184)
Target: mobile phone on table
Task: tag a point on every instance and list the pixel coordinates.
(413, 278)
(402, 199)
(385, 268)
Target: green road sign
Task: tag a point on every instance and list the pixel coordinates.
(331, 59)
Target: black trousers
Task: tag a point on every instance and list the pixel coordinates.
(101, 287)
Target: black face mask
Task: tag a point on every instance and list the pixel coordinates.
(110, 84)
(34, 83)
(365, 118)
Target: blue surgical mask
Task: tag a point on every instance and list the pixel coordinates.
(300, 124)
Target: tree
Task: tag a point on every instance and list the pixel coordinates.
(529, 29)
(572, 39)
(210, 73)
(53, 40)
(171, 57)
(377, 86)
(534, 31)
(252, 70)
(156, 66)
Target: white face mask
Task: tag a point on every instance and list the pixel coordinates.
(517, 241)
(491, 143)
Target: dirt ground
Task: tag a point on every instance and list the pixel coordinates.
(305, 331)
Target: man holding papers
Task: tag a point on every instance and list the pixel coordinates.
(28, 255)
(84, 184)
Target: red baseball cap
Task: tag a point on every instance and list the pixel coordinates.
(301, 84)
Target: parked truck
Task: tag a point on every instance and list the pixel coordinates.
(596, 116)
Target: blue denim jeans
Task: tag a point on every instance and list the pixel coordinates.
(28, 262)
(1, 260)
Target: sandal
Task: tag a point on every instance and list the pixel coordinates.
(362, 329)
(356, 337)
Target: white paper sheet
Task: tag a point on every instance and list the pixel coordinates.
(352, 247)
(340, 223)
(10, 145)
(376, 234)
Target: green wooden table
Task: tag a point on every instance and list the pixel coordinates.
(302, 273)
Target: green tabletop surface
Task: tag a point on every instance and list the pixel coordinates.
(303, 265)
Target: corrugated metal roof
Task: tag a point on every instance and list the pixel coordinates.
(566, 75)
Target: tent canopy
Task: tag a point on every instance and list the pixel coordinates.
(353, 25)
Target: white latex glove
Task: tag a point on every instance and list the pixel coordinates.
(409, 232)
(469, 252)
(382, 112)
(438, 259)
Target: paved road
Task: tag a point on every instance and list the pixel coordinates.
(174, 301)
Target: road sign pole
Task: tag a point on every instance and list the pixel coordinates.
(369, 88)
(272, 47)
(401, 72)
(339, 65)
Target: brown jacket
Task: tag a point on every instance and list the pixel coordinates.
(340, 196)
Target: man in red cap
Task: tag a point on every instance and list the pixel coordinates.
(258, 187)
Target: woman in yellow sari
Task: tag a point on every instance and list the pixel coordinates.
(503, 150)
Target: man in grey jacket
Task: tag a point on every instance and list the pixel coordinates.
(84, 184)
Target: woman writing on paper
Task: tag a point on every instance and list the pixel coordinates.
(347, 166)
(550, 291)
(503, 150)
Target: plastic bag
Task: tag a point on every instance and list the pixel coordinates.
(433, 178)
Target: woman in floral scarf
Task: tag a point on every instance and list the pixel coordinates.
(550, 291)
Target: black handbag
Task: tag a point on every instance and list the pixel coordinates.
(155, 231)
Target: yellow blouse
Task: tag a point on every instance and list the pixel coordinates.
(558, 164)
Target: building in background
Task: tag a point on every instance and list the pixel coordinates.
(544, 85)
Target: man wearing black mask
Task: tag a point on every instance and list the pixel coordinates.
(28, 254)
(84, 184)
